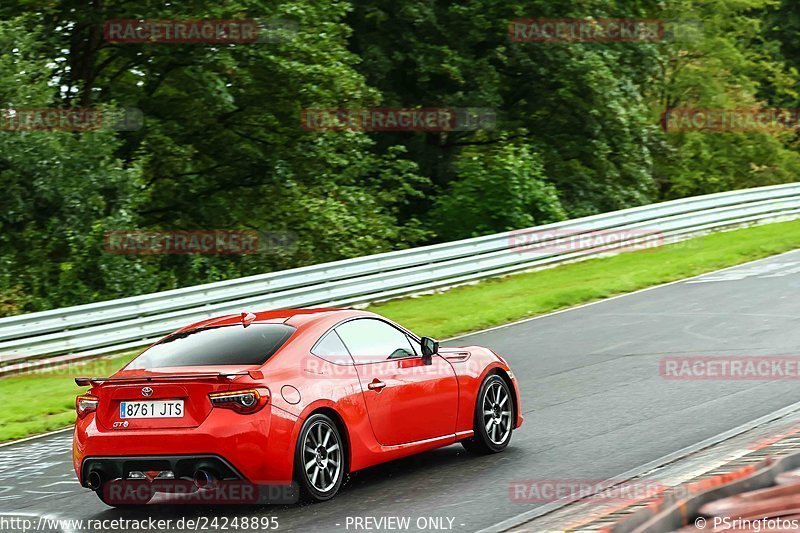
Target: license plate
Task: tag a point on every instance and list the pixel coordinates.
(151, 409)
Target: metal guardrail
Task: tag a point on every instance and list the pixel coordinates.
(87, 330)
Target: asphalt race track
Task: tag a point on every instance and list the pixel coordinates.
(594, 402)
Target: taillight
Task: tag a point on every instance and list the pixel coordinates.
(242, 401)
(85, 404)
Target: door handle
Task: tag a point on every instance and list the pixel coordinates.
(376, 385)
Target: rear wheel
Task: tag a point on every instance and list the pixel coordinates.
(319, 459)
(494, 417)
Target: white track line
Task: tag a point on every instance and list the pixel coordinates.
(34, 437)
(548, 508)
(617, 297)
(522, 321)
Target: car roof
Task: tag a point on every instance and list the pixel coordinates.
(293, 317)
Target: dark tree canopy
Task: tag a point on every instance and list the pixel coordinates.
(221, 145)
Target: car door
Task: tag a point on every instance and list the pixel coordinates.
(407, 400)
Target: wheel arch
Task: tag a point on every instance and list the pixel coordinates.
(500, 371)
(334, 415)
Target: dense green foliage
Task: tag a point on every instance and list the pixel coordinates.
(222, 146)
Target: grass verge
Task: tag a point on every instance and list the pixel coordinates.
(41, 402)
(502, 300)
(38, 402)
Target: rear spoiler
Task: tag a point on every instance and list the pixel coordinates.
(86, 382)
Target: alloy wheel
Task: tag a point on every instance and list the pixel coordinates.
(497, 412)
(322, 456)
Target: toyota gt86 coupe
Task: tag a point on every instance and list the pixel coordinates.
(298, 397)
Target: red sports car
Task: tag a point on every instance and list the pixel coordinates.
(298, 397)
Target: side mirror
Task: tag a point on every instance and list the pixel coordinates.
(429, 348)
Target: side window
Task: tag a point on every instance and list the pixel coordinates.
(370, 340)
(332, 349)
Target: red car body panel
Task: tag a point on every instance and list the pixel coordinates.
(420, 407)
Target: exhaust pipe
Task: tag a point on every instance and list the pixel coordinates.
(203, 479)
(94, 480)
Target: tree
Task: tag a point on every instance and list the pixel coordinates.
(500, 188)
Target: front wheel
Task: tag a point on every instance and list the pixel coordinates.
(319, 459)
(494, 417)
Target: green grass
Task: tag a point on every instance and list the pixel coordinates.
(502, 300)
(40, 402)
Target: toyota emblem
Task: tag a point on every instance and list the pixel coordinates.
(147, 391)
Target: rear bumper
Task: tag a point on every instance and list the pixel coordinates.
(182, 466)
(258, 448)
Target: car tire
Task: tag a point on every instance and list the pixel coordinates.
(320, 459)
(494, 418)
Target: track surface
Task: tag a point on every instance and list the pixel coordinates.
(594, 403)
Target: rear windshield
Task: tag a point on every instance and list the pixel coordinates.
(226, 345)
